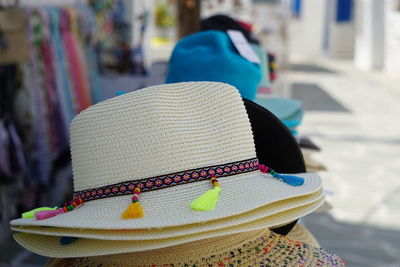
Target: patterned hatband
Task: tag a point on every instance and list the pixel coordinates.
(168, 180)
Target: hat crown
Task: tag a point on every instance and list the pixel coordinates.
(159, 130)
(211, 56)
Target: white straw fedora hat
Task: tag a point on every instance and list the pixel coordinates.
(240, 222)
(170, 143)
(255, 248)
(67, 246)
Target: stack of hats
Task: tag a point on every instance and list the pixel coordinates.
(210, 55)
(217, 59)
(289, 111)
(169, 176)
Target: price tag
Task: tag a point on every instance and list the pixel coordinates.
(243, 46)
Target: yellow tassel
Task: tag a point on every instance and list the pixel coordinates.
(207, 201)
(31, 213)
(133, 211)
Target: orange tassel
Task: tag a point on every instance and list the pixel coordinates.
(134, 210)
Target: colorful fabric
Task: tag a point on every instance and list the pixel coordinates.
(75, 65)
(40, 161)
(61, 68)
(58, 126)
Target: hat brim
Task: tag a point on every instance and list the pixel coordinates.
(50, 246)
(265, 213)
(302, 234)
(171, 206)
(283, 108)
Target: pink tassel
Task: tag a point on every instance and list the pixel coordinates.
(41, 215)
(263, 168)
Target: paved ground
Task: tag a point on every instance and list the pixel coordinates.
(361, 147)
(353, 117)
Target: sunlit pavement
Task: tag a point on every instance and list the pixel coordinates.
(361, 149)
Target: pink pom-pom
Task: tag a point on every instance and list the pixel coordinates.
(262, 168)
(45, 214)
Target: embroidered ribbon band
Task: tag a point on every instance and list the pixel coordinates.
(168, 180)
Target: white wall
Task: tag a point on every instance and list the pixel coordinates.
(307, 32)
(340, 39)
(369, 44)
(316, 33)
(392, 37)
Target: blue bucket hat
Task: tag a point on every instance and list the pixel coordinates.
(211, 56)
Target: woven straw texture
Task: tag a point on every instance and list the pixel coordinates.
(152, 234)
(160, 130)
(257, 248)
(301, 233)
(50, 245)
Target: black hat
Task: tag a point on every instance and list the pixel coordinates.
(275, 146)
(224, 23)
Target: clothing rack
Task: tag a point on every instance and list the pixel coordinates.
(38, 100)
(47, 3)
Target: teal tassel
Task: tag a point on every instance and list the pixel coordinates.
(290, 179)
(287, 178)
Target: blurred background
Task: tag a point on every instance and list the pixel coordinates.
(339, 58)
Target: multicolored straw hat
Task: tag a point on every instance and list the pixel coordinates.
(256, 248)
(301, 233)
(175, 155)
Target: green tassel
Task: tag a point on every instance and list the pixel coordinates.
(31, 213)
(207, 201)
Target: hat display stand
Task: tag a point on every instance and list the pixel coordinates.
(289, 111)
